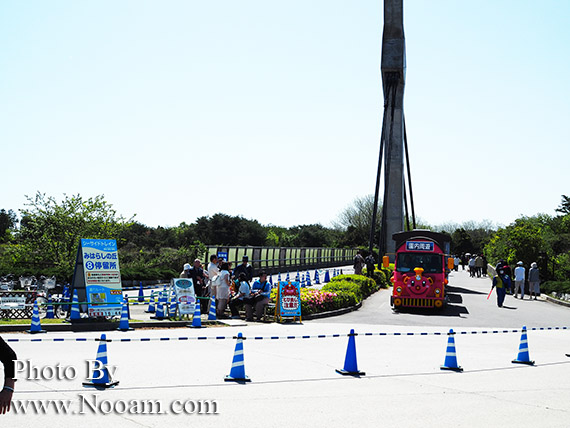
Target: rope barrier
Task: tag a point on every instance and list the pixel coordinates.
(315, 336)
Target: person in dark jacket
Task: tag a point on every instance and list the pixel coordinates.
(246, 268)
(7, 356)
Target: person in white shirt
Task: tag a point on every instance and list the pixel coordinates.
(519, 279)
(223, 290)
(213, 272)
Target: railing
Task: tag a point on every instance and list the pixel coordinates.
(283, 259)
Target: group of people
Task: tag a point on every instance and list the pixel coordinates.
(360, 261)
(229, 287)
(476, 264)
(504, 284)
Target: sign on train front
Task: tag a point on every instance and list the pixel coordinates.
(97, 277)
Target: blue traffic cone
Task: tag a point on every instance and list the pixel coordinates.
(212, 313)
(49, 311)
(278, 277)
(126, 299)
(287, 279)
(350, 364)
(197, 318)
(36, 326)
(327, 276)
(523, 357)
(317, 279)
(141, 293)
(151, 309)
(297, 277)
(101, 378)
(450, 355)
(271, 280)
(302, 283)
(75, 314)
(308, 279)
(172, 307)
(237, 372)
(159, 314)
(124, 323)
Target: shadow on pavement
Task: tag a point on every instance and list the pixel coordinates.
(449, 311)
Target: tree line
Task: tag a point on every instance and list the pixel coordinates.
(43, 238)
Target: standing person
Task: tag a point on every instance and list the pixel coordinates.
(197, 274)
(472, 266)
(7, 356)
(534, 280)
(260, 294)
(463, 261)
(478, 265)
(456, 261)
(519, 279)
(358, 263)
(245, 267)
(223, 290)
(242, 296)
(369, 260)
(485, 265)
(213, 272)
(501, 282)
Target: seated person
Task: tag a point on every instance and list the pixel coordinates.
(260, 293)
(241, 297)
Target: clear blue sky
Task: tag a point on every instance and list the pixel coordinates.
(272, 109)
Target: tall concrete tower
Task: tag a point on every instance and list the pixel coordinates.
(393, 79)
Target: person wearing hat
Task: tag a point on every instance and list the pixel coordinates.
(519, 279)
(533, 280)
(246, 268)
(186, 271)
(501, 282)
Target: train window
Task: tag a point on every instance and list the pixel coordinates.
(431, 263)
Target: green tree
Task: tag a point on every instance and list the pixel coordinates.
(50, 230)
(8, 222)
(355, 221)
(564, 207)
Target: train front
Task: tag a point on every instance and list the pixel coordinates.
(420, 272)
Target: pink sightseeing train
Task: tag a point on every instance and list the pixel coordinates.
(420, 269)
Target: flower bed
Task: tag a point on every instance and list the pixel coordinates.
(343, 291)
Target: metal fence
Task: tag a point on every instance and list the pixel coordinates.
(284, 259)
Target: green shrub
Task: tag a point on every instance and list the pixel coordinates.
(361, 286)
(556, 287)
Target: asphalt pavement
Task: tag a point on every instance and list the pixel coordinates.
(293, 378)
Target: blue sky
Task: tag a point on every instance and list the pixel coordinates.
(272, 110)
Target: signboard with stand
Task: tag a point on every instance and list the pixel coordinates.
(185, 296)
(289, 300)
(97, 277)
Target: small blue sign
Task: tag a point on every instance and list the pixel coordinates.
(419, 246)
(223, 255)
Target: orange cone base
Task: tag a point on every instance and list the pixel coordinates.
(345, 373)
(530, 363)
(101, 385)
(235, 379)
(454, 369)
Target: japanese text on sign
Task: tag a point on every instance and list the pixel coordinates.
(419, 246)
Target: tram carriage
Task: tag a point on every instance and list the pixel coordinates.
(420, 269)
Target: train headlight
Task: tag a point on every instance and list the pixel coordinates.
(399, 290)
(437, 291)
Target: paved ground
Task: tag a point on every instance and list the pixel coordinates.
(294, 381)
(468, 307)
